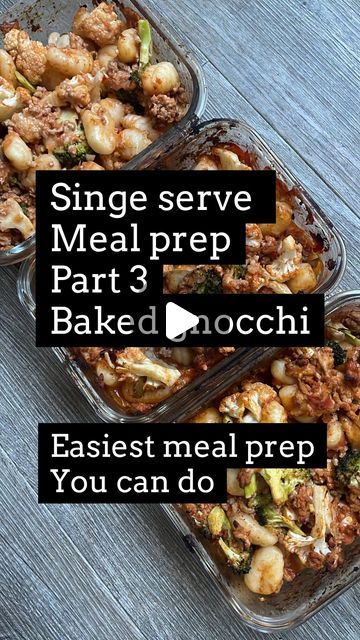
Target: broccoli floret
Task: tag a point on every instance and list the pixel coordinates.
(283, 481)
(268, 516)
(238, 560)
(251, 488)
(131, 97)
(203, 528)
(135, 77)
(144, 32)
(338, 352)
(219, 523)
(72, 154)
(259, 500)
(206, 281)
(347, 471)
(238, 271)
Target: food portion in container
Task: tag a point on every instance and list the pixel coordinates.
(139, 379)
(280, 257)
(278, 522)
(89, 99)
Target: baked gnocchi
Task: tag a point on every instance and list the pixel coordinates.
(280, 257)
(277, 522)
(89, 99)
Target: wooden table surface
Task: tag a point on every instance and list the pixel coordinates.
(105, 572)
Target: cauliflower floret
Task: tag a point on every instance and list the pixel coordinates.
(29, 55)
(277, 287)
(101, 25)
(253, 238)
(13, 217)
(255, 277)
(316, 541)
(139, 363)
(78, 90)
(258, 403)
(11, 100)
(287, 264)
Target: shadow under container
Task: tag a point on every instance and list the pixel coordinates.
(311, 591)
(42, 17)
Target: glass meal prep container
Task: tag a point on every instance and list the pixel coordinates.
(311, 589)
(103, 402)
(306, 214)
(40, 18)
(239, 137)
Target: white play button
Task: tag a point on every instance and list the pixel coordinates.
(178, 320)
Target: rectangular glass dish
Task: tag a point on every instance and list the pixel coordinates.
(183, 156)
(41, 17)
(101, 401)
(306, 213)
(311, 590)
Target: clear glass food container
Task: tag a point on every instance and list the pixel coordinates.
(307, 214)
(42, 17)
(102, 403)
(183, 156)
(310, 591)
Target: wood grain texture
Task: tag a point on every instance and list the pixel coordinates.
(119, 572)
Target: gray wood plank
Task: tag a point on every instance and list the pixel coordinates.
(297, 64)
(48, 588)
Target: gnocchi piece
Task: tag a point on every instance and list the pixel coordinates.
(45, 162)
(211, 414)
(266, 572)
(206, 163)
(335, 436)
(182, 355)
(13, 217)
(304, 280)
(283, 220)
(352, 431)
(69, 62)
(160, 78)
(131, 142)
(278, 370)
(7, 67)
(305, 419)
(232, 481)
(114, 108)
(89, 166)
(247, 526)
(106, 55)
(229, 160)
(99, 128)
(17, 151)
(142, 123)
(52, 78)
(128, 46)
(287, 395)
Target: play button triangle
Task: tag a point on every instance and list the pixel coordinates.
(178, 320)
